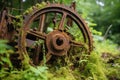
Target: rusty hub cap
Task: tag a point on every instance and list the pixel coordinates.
(57, 43)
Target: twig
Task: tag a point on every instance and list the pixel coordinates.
(108, 29)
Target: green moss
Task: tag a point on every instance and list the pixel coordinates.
(18, 22)
(95, 68)
(106, 46)
(63, 73)
(38, 6)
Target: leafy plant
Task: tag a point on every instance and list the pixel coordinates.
(32, 73)
(106, 46)
(95, 68)
(5, 52)
(5, 63)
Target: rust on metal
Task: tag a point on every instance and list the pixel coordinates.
(6, 26)
(58, 41)
(42, 35)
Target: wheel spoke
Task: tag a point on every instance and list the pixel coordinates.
(40, 29)
(47, 57)
(37, 34)
(74, 43)
(36, 56)
(41, 23)
(62, 22)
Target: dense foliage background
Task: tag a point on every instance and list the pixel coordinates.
(103, 18)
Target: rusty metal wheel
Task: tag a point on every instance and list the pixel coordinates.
(9, 32)
(48, 32)
(6, 27)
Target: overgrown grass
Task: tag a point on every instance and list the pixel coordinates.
(27, 72)
(107, 46)
(102, 64)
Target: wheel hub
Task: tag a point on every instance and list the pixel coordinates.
(57, 43)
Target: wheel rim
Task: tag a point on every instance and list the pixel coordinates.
(51, 46)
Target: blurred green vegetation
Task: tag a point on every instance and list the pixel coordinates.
(102, 64)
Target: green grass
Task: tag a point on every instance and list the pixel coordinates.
(98, 67)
